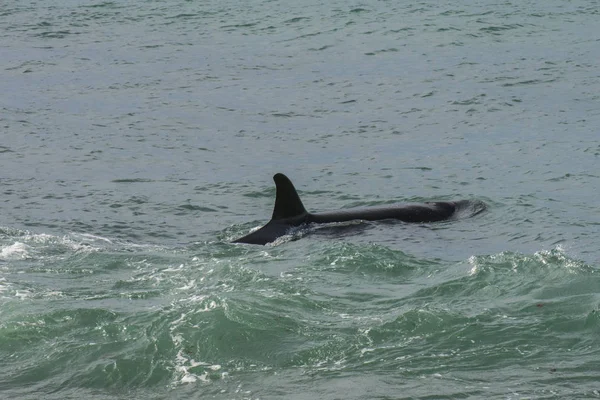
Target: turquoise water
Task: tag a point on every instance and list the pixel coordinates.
(137, 139)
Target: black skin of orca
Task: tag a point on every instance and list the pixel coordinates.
(290, 212)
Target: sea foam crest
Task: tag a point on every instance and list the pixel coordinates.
(556, 259)
(28, 245)
(4, 285)
(188, 369)
(15, 251)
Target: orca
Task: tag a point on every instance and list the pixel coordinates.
(289, 212)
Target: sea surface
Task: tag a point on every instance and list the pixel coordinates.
(139, 138)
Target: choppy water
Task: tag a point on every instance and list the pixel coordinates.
(138, 138)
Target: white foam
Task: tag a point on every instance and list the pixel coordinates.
(95, 237)
(39, 238)
(27, 241)
(16, 251)
(190, 285)
(23, 294)
(474, 266)
(4, 286)
(183, 365)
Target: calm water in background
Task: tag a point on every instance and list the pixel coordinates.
(138, 137)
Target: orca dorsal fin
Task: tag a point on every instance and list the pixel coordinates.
(287, 201)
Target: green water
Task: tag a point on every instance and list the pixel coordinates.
(139, 138)
(81, 317)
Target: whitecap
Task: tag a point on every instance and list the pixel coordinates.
(16, 251)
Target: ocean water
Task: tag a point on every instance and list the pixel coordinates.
(138, 138)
